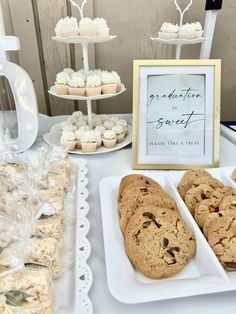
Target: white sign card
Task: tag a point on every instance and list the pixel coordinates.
(176, 115)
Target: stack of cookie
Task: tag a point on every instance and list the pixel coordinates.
(157, 241)
(213, 206)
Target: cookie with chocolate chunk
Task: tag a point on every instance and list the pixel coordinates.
(158, 243)
(188, 178)
(212, 182)
(233, 176)
(196, 195)
(140, 196)
(204, 209)
(219, 193)
(222, 239)
(134, 178)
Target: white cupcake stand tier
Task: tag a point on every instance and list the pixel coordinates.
(209, 29)
(84, 41)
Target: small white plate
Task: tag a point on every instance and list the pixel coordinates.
(83, 39)
(53, 138)
(179, 41)
(52, 91)
(203, 275)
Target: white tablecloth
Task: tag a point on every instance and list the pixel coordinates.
(119, 163)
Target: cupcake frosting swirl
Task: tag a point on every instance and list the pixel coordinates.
(62, 78)
(100, 22)
(93, 81)
(76, 82)
(110, 135)
(68, 136)
(85, 22)
(169, 28)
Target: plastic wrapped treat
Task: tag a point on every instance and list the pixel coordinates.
(49, 226)
(29, 290)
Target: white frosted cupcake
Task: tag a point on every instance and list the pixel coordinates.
(115, 120)
(78, 135)
(124, 124)
(67, 27)
(89, 142)
(108, 124)
(93, 85)
(69, 71)
(61, 83)
(109, 139)
(68, 140)
(77, 74)
(96, 122)
(101, 27)
(120, 134)
(169, 31)
(116, 80)
(77, 115)
(103, 117)
(108, 83)
(100, 129)
(76, 86)
(98, 137)
(198, 31)
(186, 31)
(81, 123)
(86, 27)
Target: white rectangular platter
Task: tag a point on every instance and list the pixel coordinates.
(203, 275)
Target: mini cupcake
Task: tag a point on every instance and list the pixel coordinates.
(100, 129)
(98, 137)
(198, 31)
(101, 27)
(103, 117)
(68, 140)
(93, 85)
(77, 115)
(81, 123)
(124, 124)
(78, 135)
(67, 27)
(61, 83)
(88, 142)
(76, 86)
(186, 31)
(80, 74)
(109, 139)
(108, 124)
(169, 31)
(120, 134)
(115, 120)
(86, 27)
(69, 71)
(96, 122)
(108, 83)
(116, 79)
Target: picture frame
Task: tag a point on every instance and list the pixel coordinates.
(176, 114)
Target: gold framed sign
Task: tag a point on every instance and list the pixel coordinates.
(176, 114)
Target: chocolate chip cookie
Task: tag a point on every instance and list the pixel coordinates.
(233, 176)
(196, 195)
(141, 196)
(222, 239)
(205, 208)
(212, 182)
(188, 178)
(158, 243)
(132, 178)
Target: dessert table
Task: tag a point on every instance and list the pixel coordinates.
(119, 163)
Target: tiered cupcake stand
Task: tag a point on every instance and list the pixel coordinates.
(205, 41)
(84, 41)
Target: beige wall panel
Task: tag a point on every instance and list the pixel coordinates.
(9, 27)
(24, 28)
(134, 22)
(88, 11)
(56, 55)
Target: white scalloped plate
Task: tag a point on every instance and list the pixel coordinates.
(179, 41)
(83, 39)
(53, 139)
(71, 290)
(52, 91)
